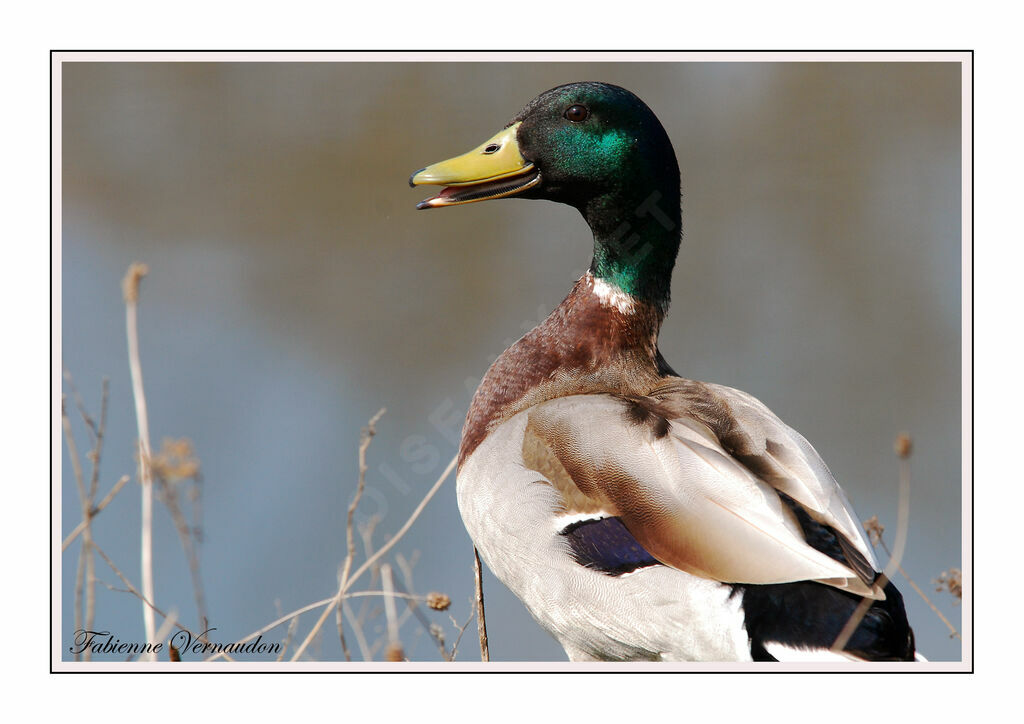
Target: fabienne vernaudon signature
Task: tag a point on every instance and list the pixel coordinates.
(104, 642)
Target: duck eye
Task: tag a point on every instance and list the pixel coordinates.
(576, 113)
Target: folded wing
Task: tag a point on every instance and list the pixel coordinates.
(695, 472)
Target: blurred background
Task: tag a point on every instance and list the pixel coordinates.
(294, 290)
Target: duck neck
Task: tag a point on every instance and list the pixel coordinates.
(598, 340)
(636, 239)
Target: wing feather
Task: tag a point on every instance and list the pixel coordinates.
(770, 449)
(688, 499)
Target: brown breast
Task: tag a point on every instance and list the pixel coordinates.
(587, 345)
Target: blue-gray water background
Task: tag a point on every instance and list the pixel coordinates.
(294, 290)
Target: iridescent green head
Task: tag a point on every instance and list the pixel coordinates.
(598, 148)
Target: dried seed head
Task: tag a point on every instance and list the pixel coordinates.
(952, 581)
(438, 601)
(175, 461)
(130, 284)
(874, 529)
(903, 445)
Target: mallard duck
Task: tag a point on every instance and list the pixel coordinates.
(639, 515)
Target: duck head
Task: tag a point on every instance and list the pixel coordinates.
(593, 146)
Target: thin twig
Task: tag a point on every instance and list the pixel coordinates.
(130, 287)
(165, 628)
(952, 629)
(85, 575)
(79, 587)
(90, 424)
(408, 523)
(358, 620)
(89, 506)
(366, 533)
(404, 616)
(76, 467)
(903, 520)
(274, 624)
(357, 629)
(184, 536)
(413, 607)
(316, 604)
(406, 567)
(288, 638)
(380, 594)
(168, 493)
(99, 433)
(150, 605)
(340, 624)
(481, 620)
(462, 629)
(76, 463)
(394, 652)
(336, 600)
(100, 506)
(364, 443)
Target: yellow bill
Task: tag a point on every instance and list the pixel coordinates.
(492, 170)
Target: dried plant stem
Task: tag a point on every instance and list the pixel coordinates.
(408, 523)
(393, 594)
(903, 519)
(274, 624)
(88, 506)
(170, 500)
(99, 506)
(952, 629)
(366, 531)
(481, 621)
(317, 604)
(69, 438)
(167, 626)
(288, 638)
(407, 594)
(462, 629)
(76, 467)
(79, 583)
(340, 624)
(98, 436)
(358, 620)
(364, 443)
(357, 629)
(391, 615)
(130, 287)
(90, 583)
(148, 603)
(85, 576)
(336, 600)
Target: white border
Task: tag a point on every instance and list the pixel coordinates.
(964, 57)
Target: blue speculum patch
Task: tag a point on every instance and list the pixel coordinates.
(606, 546)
